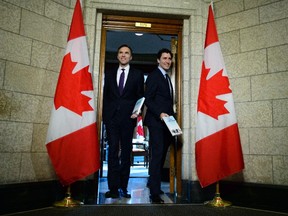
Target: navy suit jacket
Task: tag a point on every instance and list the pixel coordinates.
(113, 102)
(157, 99)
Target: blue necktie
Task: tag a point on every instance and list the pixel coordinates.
(121, 81)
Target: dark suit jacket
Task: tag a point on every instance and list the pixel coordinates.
(123, 104)
(157, 99)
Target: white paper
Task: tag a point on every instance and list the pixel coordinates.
(172, 125)
(138, 106)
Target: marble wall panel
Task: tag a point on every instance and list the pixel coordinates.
(237, 21)
(269, 86)
(280, 174)
(269, 141)
(15, 47)
(5, 104)
(58, 12)
(230, 43)
(264, 36)
(9, 167)
(280, 113)
(10, 17)
(241, 89)
(252, 4)
(15, 136)
(254, 114)
(30, 108)
(246, 64)
(272, 12)
(36, 6)
(227, 7)
(36, 167)
(277, 58)
(39, 138)
(47, 56)
(43, 29)
(258, 169)
(2, 70)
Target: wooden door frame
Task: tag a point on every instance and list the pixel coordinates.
(157, 26)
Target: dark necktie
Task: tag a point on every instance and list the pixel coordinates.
(121, 81)
(170, 85)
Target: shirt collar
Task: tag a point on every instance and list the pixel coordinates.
(126, 68)
(162, 71)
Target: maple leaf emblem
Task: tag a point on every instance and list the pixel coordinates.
(140, 131)
(209, 89)
(69, 87)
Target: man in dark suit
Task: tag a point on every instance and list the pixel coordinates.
(159, 102)
(123, 86)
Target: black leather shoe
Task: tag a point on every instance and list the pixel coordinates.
(124, 193)
(156, 200)
(148, 186)
(109, 194)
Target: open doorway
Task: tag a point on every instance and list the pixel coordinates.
(145, 47)
(156, 34)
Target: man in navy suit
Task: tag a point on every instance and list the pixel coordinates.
(123, 86)
(159, 102)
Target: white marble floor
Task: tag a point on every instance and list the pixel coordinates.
(137, 188)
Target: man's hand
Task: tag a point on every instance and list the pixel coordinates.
(163, 115)
(133, 116)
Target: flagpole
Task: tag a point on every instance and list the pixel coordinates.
(212, 5)
(68, 202)
(217, 200)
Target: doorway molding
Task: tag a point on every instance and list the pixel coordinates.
(156, 26)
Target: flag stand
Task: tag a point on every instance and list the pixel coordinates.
(217, 200)
(68, 201)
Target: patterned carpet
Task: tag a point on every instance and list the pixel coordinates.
(151, 210)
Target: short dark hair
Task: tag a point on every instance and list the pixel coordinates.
(125, 45)
(163, 50)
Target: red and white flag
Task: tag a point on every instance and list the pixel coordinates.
(140, 129)
(72, 138)
(218, 149)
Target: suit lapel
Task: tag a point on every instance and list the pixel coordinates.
(114, 81)
(164, 81)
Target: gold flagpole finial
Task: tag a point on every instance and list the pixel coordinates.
(212, 5)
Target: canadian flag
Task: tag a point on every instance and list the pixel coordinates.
(218, 149)
(72, 137)
(140, 129)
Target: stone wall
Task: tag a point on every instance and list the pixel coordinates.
(254, 42)
(33, 39)
(254, 39)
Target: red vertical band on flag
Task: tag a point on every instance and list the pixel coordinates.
(219, 155)
(74, 156)
(77, 27)
(211, 31)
